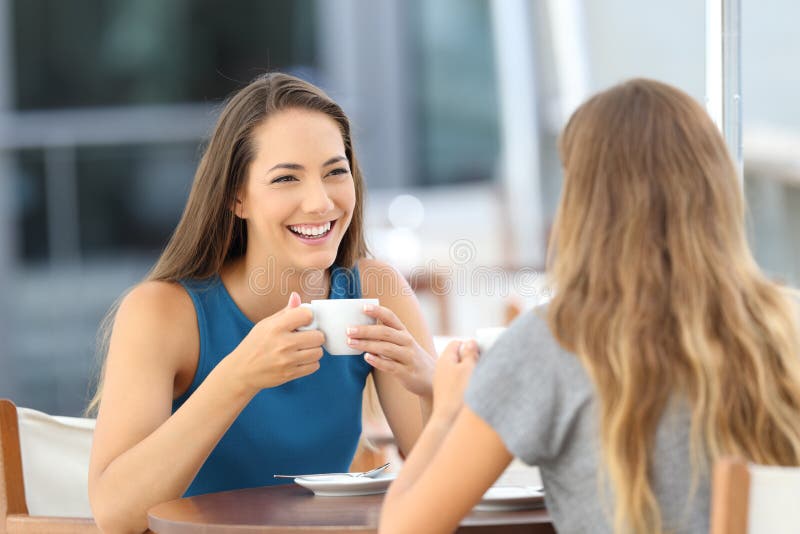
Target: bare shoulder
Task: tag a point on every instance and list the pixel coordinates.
(382, 281)
(153, 301)
(158, 313)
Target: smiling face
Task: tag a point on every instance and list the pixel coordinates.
(299, 195)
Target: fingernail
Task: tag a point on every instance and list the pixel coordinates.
(368, 356)
(369, 307)
(352, 331)
(351, 341)
(472, 345)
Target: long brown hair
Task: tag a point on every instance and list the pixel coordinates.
(659, 296)
(208, 233)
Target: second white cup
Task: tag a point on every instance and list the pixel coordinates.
(487, 336)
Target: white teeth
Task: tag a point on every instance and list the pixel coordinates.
(311, 231)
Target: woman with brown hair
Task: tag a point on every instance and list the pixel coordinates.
(208, 385)
(663, 349)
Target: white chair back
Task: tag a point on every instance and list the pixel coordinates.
(774, 503)
(55, 463)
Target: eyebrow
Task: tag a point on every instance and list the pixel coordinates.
(298, 167)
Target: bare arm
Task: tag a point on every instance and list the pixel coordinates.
(142, 454)
(407, 407)
(425, 497)
(452, 440)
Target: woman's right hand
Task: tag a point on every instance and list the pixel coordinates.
(274, 353)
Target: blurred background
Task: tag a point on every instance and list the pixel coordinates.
(456, 107)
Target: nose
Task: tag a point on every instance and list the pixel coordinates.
(316, 199)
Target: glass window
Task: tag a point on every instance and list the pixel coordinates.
(117, 52)
(457, 137)
(86, 54)
(661, 40)
(31, 205)
(128, 198)
(771, 134)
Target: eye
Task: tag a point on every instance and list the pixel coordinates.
(282, 179)
(339, 171)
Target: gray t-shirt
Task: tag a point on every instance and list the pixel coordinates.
(540, 400)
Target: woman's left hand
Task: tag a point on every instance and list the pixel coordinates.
(453, 371)
(391, 348)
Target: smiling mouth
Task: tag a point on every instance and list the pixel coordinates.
(312, 231)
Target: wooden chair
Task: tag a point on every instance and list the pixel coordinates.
(754, 499)
(14, 516)
(433, 285)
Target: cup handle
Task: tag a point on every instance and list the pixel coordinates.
(313, 325)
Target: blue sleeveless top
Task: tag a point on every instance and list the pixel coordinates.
(308, 425)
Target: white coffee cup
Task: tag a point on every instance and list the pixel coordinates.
(333, 317)
(487, 336)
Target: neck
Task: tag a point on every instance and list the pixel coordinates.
(261, 289)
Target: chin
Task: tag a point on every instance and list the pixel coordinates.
(317, 261)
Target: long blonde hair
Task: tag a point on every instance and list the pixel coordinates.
(209, 234)
(658, 294)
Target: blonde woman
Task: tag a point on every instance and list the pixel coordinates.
(664, 348)
(207, 384)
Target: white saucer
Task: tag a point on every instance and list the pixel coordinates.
(345, 486)
(508, 498)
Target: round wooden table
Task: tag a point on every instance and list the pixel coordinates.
(293, 509)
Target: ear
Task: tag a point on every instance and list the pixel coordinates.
(238, 206)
